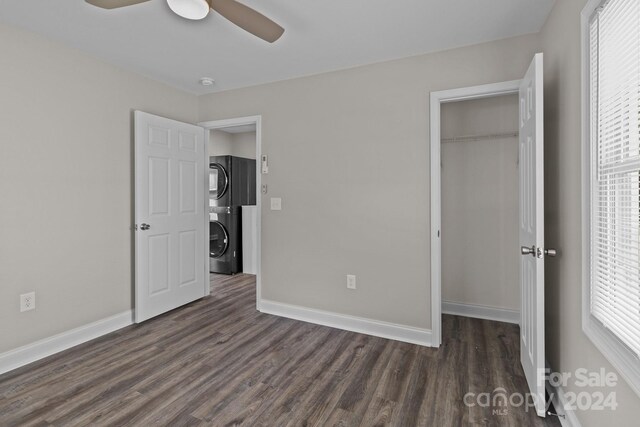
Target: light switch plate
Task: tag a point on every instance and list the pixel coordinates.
(276, 204)
(351, 281)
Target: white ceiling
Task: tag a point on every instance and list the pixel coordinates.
(319, 35)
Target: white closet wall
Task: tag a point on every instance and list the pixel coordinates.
(480, 258)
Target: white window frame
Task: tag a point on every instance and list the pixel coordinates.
(627, 364)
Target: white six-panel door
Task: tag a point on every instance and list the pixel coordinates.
(169, 214)
(532, 231)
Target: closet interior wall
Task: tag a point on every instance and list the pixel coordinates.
(480, 259)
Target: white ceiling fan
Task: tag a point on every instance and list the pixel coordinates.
(243, 16)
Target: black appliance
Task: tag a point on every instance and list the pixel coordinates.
(225, 240)
(220, 181)
(232, 181)
(232, 184)
(244, 181)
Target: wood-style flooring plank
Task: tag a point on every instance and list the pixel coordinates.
(219, 362)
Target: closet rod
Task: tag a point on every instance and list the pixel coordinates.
(481, 137)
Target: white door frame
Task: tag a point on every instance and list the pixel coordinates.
(219, 124)
(438, 98)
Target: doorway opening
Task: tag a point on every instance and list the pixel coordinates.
(233, 152)
(459, 126)
(480, 195)
(530, 92)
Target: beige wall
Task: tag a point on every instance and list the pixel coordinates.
(244, 145)
(348, 155)
(66, 183)
(241, 144)
(568, 348)
(480, 234)
(219, 143)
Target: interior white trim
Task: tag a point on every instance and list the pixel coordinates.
(241, 121)
(437, 98)
(623, 360)
(560, 403)
(361, 325)
(29, 353)
(481, 312)
(207, 222)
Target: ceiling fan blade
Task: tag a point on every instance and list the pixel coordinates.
(248, 19)
(113, 4)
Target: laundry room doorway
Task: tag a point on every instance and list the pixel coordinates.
(233, 153)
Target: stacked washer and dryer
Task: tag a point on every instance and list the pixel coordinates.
(232, 184)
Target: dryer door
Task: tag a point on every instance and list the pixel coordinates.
(218, 181)
(218, 239)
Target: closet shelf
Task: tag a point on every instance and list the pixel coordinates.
(481, 137)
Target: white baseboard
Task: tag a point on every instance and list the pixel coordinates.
(350, 323)
(29, 353)
(570, 419)
(481, 312)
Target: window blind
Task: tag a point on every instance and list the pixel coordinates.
(615, 169)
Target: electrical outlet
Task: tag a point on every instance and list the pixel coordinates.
(351, 281)
(27, 301)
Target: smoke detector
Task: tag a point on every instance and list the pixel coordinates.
(207, 81)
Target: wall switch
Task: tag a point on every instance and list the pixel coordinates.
(351, 281)
(276, 204)
(27, 301)
(265, 164)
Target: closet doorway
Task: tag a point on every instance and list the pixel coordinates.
(485, 205)
(479, 226)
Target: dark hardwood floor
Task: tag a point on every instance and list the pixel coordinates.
(219, 362)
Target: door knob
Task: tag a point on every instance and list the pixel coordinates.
(528, 251)
(550, 252)
(144, 226)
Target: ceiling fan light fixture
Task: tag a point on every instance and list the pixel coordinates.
(190, 9)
